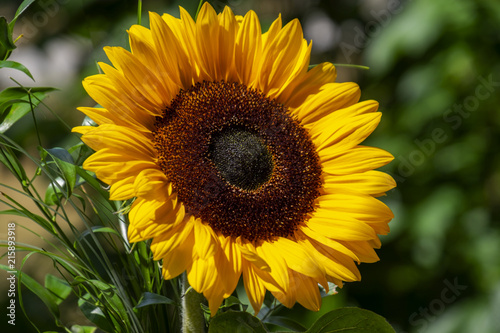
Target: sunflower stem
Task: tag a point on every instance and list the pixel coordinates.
(193, 320)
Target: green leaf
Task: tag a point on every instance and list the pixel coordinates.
(53, 194)
(65, 175)
(92, 181)
(108, 299)
(22, 7)
(15, 65)
(15, 103)
(34, 217)
(58, 287)
(83, 329)
(10, 160)
(96, 229)
(235, 321)
(95, 315)
(6, 43)
(286, 323)
(351, 320)
(45, 295)
(148, 298)
(66, 166)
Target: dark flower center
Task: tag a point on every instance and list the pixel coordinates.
(238, 160)
(241, 157)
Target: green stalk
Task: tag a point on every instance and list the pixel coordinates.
(193, 320)
(139, 12)
(198, 9)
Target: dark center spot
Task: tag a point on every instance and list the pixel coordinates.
(241, 157)
(238, 161)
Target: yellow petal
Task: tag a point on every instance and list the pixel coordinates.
(254, 287)
(361, 207)
(214, 296)
(122, 189)
(333, 244)
(332, 97)
(171, 239)
(227, 38)
(135, 80)
(154, 218)
(309, 84)
(370, 182)
(357, 159)
(341, 229)
(307, 291)
(346, 127)
(249, 252)
(178, 260)
(101, 89)
(248, 48)
(172, 57)
(206, 241)
(297, 257)
(111, 166)
(201, 275)
(280, 58)
(119, 138)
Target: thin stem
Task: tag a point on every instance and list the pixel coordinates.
(198, 10)
(193, 320)
(34, 118)
(352, 66)
(139, 11)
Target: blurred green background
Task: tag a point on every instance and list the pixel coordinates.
(434, 68)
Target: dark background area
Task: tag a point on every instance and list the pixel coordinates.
(434, 68)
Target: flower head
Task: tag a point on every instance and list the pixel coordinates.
(241, 159)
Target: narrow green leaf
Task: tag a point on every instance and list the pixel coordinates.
(66, 166)
(34, 217)
(6, 43)
(53, 194)
(109, 298)
(58, 287)
(16, 65)
(351, 320)
(235, 321)
(97, 229)
(148, 298)
(10, 160)
(95, 315)
(92, 181)
(22, 7)
(45, 295)
(15, 103)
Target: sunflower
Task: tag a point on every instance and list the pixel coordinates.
(240, 159)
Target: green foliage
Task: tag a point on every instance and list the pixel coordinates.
(152, 299)
(16, 102)
(59, 287)
(6, 43)
(48, 298)
(16, 65)
(351, 320)
(6, 29)
(233, 321)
